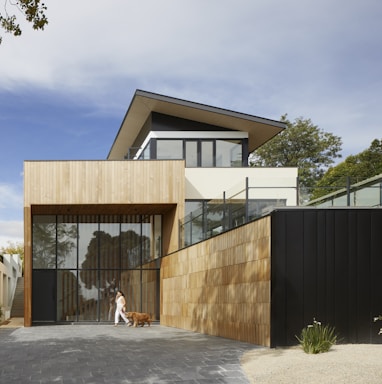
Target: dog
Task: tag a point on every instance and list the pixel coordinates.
(137, 318)
(130, 317)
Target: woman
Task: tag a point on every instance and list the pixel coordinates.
(121, 308)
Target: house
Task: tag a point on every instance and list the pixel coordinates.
(10, 271)
(176, 219)
(94, 226)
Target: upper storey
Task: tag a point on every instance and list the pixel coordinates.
(162, 127)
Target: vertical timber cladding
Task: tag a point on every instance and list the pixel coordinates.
(327, 265)
(157, 186)
(221, 286)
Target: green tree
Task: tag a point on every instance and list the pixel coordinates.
(302, 144)
(364, 165)
(13, 249)
(32, 10)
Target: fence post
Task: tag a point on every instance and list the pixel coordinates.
(297, 191)
(348, 191)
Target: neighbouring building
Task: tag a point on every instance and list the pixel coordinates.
(10, 271)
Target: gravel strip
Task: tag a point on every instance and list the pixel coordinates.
(347, 363)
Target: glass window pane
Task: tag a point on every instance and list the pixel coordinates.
(66, 242)
(67, 289)
(146, 241)
(44, 242)
(207, 153)
(169, 149)
(145, 154)
(109, 284)
(191, 154)
(150, 293)
(157, 237)
(131, 287)
(228, 153)
(130, 242)
(109, 242)
(87, 242)
(88, 295)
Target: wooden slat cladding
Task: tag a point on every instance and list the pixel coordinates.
(103, 182)
(221, 286)
(101, 187)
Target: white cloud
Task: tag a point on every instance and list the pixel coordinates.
(11, 232)
(321, 60)
(11, 198)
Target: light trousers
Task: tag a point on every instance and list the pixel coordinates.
(119, 312)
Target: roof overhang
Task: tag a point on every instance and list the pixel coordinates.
(259, 129)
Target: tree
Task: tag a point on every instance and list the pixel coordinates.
(301, 145)
(32, 10)
(364, 165)
(13, 249)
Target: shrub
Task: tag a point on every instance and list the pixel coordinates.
(317, 338)
(379, 317)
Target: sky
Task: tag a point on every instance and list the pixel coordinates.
(65, 90)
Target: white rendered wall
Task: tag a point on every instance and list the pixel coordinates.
(268, 183)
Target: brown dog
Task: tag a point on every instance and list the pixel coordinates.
(130, 317)
(141, 319)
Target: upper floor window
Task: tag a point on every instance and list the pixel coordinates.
(197, 152)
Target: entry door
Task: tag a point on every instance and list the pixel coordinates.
(44, 295)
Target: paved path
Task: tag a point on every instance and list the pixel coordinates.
(92, 354)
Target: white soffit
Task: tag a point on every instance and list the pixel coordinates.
(260, 130)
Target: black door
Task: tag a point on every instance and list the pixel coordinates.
(44, 295)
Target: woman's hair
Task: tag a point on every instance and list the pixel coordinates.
(122, 294)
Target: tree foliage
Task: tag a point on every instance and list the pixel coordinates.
(364, 165)
(301, 145)
(13, 249)
(32, 10)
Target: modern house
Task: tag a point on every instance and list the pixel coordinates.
(176, 219)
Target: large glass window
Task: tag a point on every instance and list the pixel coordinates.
(91, 256)
(201, 152)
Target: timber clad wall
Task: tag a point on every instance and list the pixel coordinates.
(101, 187)
(221, 286)
(103, 182)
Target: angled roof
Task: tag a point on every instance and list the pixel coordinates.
(260, 130)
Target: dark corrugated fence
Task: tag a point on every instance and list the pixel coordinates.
(327, 265)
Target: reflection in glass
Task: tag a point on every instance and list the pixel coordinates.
(109, 242)
(96, 255)
(67, 289)
(66, 242)
(169, 149)
(130, 242)
(146, 240)
(88, 295)
(109, 282)
(228, 153)
(191, 153)
(87, 242)
(131, 287)
(44, 241)
(207, 152)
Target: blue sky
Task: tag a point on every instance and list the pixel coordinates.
(64, 91)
